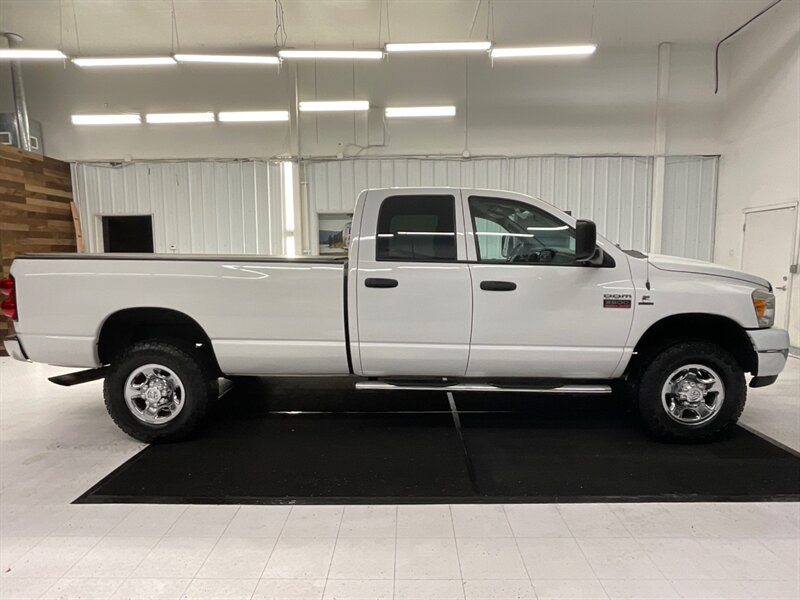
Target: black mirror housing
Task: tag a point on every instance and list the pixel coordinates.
(585, 240)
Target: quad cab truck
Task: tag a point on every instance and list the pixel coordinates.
(444, 288)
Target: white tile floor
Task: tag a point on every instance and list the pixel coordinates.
(56, 442)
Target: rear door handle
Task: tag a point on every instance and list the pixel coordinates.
(498, 286)
(380, 282)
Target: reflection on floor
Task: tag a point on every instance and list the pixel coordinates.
(56, 442)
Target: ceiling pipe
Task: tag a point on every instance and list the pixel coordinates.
(18, 88)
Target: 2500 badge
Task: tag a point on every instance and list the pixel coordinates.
(617, 300)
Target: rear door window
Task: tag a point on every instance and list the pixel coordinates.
(417, 228)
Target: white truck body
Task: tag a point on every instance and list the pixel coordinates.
(263, 316)
(320, 316)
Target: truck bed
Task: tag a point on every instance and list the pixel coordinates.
(186, 257)
(263, 314)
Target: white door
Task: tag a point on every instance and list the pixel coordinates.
(538, 313)
(413, 293)
(768, 250)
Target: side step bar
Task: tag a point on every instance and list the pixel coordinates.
(484, 387)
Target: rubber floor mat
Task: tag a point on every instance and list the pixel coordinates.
(291, 440)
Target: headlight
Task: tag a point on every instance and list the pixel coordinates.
(764, 305)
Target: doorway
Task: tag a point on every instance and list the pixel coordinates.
(768, 251)
(128, 234)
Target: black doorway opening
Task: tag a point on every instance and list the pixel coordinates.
(316, 441)
(128, 234)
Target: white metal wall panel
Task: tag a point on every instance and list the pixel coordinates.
(690, 202)
(219, 207)
(613, 191)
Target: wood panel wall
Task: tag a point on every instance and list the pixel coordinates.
(35, 209)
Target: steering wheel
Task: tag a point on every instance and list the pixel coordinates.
(524, 253)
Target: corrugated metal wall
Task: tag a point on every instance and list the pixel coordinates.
(615, 192)
(690, 204)
(236, 207)
(219, 207)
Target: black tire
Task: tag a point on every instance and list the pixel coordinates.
(654, 376)
(189, 368)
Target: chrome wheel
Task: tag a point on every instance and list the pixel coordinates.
(693, 394)
(154, 394)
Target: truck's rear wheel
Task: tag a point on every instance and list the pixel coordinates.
(692, 391)
(157, 391)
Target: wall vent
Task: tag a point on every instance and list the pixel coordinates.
(9, 136)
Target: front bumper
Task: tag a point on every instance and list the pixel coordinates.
(772, 349)
(14, 348)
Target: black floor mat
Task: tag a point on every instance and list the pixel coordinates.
(318, 441)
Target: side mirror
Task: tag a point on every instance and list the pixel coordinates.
(506, 246)
(585, 240)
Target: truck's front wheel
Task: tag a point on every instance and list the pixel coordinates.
(691, 390)
(157, 391)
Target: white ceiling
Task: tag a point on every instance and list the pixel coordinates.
(144, 26)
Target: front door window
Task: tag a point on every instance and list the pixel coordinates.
(507, 231)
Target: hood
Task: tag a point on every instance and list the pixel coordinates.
(701, 267)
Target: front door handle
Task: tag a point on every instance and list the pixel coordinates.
(498, 286)
(380, 282)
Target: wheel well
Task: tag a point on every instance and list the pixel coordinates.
(127, 327)
(712, 328)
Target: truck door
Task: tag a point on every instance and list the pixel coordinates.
(537, 312)
(413, 297)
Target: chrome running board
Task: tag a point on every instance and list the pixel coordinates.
(483, 387)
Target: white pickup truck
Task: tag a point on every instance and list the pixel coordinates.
(444, 288)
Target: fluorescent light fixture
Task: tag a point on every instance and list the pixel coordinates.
(420, 111)
(345, 54)
(504, 234)
(287, 184)
(196, 117)
(425, 233)
(344, 105)
(124, 61)
(123, 119)
(23, 54)
(543, 51)
(252, 116)
(439, 47)
(242, 59)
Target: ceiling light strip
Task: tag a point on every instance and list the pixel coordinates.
(114, 119)
(333, 54)
(439, 46)
(24, 54)
(420, 111)
(334, 106)
(539, 51)
(194, 117)
(253, 116)
(242, 59)
(124, 61)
